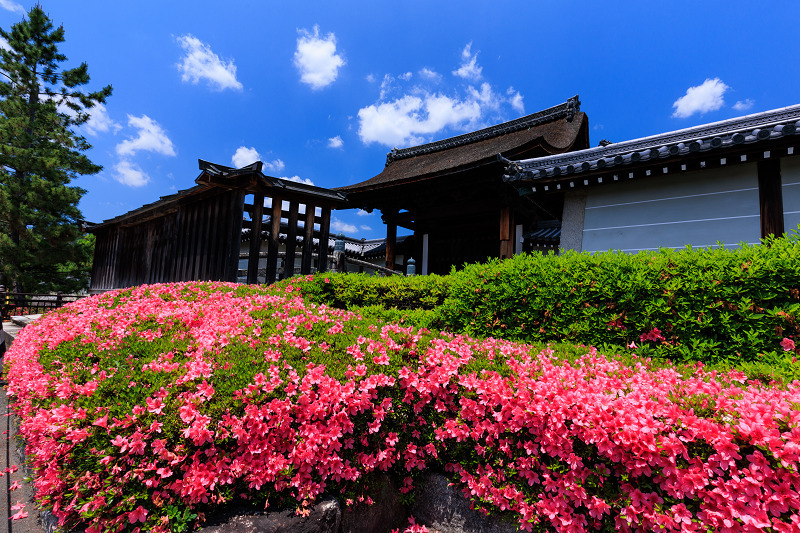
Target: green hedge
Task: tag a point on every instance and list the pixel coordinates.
(715, 305)
(414, 300)
(711, 305)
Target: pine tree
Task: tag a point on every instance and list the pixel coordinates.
(40, 154)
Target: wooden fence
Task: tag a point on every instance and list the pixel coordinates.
(25, 303)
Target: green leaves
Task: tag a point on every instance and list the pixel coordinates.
(40, 154)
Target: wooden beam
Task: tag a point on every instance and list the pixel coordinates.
(308, 240)
(272, 251)
(255, 238)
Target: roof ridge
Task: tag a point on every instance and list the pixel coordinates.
(707, 131)
(566, 110)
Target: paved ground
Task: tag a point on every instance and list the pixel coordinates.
(15, 489)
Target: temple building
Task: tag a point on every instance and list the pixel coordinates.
(728, 182)
(452, 195)
(533, 183)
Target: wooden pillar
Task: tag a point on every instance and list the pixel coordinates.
(425, 254)
(770, 197)
(308, 240)
(274, 234)
(255, 238)
(291, 240)
(391, 242)
(324, 234)
(506, 223)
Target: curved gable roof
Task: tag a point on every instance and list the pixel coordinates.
(555, 130)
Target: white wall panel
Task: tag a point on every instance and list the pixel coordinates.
(697, 208)
(790, 176)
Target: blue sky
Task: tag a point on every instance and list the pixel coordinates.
(321, 91)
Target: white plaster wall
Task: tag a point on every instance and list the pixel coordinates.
(790, 177)
(698, 208)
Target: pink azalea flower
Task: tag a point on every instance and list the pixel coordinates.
(787, 344)
(137, 515)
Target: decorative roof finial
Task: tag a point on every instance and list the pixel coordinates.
(390, 156)
(573, 107)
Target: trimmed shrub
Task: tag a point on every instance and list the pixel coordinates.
(413, 300)
(712, 305)
(145, 409)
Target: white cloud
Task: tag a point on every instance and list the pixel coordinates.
(429, 74)
(130, 174)
(405, 121)
(298, 179)
(370, 78)
(363, 213)
(316, 58)
(150, 138)
(200, 63)
(343, 227)
(275, 165)
(4, 44)
(386, 86)
(335, 142)
(406, 76)
(469, 68)
(515, 99)
(100, 122)
(365, 228)
(743, 105)
(14, 7)
(701, 99)
(244, 156)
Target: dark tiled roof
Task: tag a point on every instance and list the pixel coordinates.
(548, 232)
(220, 171)
(759, 127)
(557, 128)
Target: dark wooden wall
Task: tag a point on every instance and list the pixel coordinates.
(197, 239)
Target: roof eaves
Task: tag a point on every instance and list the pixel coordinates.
(158, 204)
(768, 125)
(566, 110)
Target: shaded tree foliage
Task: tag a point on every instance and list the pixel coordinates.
(41, 104)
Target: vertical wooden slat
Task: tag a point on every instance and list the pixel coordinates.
(183, 243)
(291, 240)
(324, 233)
(255, 238)
(205, 223)
(214, 237)
(197, 244)
(148, 252)
(113, 280)
(308, 240)
(236, 207)
(175, 246)
(770, 197)
(194, 251)
(222, 235)
(99, 257)
(272, 250)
